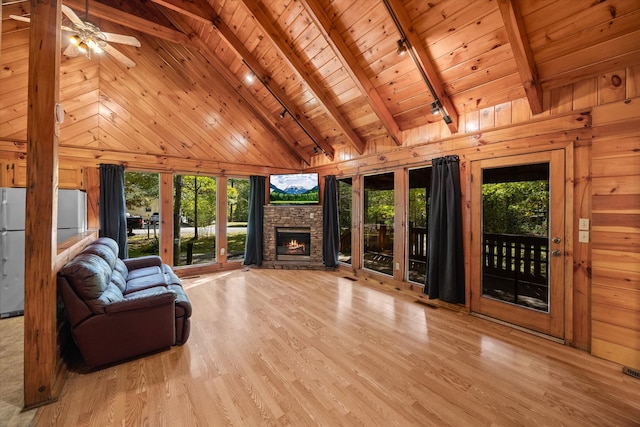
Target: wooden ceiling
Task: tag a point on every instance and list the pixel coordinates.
(332, 66)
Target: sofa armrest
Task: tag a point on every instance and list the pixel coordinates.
(142, 299)
(143, 261)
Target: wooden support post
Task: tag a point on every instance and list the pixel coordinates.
(400, 232)
(40, 356)
(221, 219)
(357, 215)
(166, 217)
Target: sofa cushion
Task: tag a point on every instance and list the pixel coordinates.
(122, 268)
(103, 251)
(90, 277)
(118, 279)
(145, 282)
(142, 272)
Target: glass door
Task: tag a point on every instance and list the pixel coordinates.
(517, 211)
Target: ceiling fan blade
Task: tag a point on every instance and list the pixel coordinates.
(20, 18)
(72, 16)
(118, 55)
(122, 39)
(71, 51)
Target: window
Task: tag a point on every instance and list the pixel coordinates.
(237, 216)
(344, 219)
(194, 219)
(379, 213)
(142, 191)
(418, 213)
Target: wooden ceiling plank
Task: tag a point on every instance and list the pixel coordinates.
(102, 11)
(261, 73)
(353, 68)
(239, 88)
(423, 58)
(296, 62)
(517, 35)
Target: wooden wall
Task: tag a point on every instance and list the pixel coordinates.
(615, 197)
(604, 296)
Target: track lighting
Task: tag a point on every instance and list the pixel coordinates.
(315, 150)
(434, 108)
(284, 112)
(404, 46)
(251, 77)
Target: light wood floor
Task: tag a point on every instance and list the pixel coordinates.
(11, 374)
(285, 347)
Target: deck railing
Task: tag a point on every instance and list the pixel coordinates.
(515, 257)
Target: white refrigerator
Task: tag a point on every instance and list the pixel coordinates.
(12, 215)
(72, 217)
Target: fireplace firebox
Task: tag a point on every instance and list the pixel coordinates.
(293, 244)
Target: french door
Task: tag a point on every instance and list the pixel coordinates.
(518, 240)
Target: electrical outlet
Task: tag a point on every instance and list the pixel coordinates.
(311, 215)
(398, 266)
(583, 224)
(221, 251)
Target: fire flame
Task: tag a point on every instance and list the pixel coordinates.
(294, 246)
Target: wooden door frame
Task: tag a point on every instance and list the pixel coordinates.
(568, 230)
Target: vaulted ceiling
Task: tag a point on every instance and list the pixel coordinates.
(332, 68)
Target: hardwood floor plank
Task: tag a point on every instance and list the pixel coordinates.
(293, 348)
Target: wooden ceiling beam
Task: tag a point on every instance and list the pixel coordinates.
(258, 110)
(209, 16)
(427, 66)
(295, 61)
(348, 60)
(107, 13)
(522, 53)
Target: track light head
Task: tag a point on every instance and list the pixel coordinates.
(434, 108)
(315, 150)
(284, 112)
(402, 47)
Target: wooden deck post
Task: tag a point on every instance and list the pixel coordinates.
(40, 357)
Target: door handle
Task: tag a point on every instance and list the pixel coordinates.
(556, 253)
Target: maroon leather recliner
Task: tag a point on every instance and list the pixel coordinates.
(122, 309)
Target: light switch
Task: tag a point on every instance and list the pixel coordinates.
(583, 224)
(583, 236)
(311, 215)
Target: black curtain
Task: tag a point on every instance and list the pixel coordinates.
(253, 246)
(331, 228)
(445, 259)
(113, 218)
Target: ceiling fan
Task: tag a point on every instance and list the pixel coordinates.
(87, 38)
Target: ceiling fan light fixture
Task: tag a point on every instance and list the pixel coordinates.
(75, 39)
(82, 47)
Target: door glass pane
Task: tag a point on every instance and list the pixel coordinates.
(194, 219)
(344, 219)
(515, 224)
(237, 214)
(142, 190)
(419, 198)
(378, 221)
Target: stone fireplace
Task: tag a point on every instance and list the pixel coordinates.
(292, 236)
